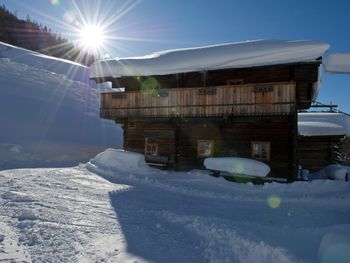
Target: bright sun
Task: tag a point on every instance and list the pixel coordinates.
(92, 37)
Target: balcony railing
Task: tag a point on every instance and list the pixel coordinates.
(250, 99)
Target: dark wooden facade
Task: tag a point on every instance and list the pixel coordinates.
(232, 109)
(316, 152)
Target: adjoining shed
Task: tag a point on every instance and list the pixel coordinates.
(320, 138)
(241, 99)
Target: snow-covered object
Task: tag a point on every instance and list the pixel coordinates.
(116, 160)
(237, 166)
(338, 63)
(304, 174)
(333, 171)
(233, 55)
(323, 124)
(337, 172)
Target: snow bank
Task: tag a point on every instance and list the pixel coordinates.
(49, 118)
(120, 160)
(338, 63)
(323, 123)
(233, 55)
(237, 166)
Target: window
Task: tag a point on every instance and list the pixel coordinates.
(205, 148)
(261, 151)
(151, 149)
(235, 81)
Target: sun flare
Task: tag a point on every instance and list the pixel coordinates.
(92, 37)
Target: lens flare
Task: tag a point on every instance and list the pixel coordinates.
(274, 201)
(69, 17)
(55, 2)
(238, 169)
(150, 86)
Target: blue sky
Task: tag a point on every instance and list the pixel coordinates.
(152, 25)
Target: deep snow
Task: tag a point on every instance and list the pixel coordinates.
(49, 112)
(118, 209)
(109, 214)
(232, 55)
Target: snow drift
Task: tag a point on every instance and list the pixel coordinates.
(47, 116)
(120, 160)
(233, 55)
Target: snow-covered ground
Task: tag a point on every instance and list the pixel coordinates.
(103, 212)
(117, 209)
(49, 112)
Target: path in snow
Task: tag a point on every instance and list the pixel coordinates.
(74, 215)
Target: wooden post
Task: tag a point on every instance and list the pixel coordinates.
(293, 169)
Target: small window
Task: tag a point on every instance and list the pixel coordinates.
(151, 149)
(261, 151)
(205, 148)
(131, 124)
(235, 81)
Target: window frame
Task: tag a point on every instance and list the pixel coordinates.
(260, 158)
(148, 144)
(212, 145)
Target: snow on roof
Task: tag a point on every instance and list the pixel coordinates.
(233, 55)
(338, 63)
(323, 124)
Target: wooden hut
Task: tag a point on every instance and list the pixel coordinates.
(320, 138)
(181, 106)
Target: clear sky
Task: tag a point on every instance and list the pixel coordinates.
(141, 27)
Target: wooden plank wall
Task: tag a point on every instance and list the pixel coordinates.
(316, 152)
(232, 137)
(162, 133)
(189, 102)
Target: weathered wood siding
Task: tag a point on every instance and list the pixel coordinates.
(236, 100)
(316, 152)
(163, 133)
(305, 75)
(232, 137)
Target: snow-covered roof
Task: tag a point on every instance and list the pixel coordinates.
(323, 124)
(338, 63)
(233, 55)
